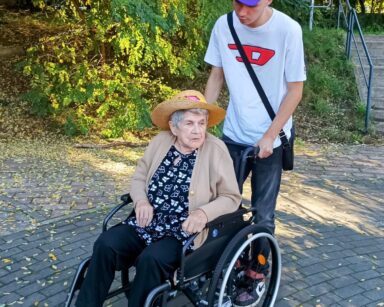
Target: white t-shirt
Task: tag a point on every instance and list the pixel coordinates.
(275, 50)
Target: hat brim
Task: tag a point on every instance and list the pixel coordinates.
(162, 113)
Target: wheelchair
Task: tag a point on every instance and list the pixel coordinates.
(211, 274)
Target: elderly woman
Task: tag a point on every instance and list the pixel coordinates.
(184, 180)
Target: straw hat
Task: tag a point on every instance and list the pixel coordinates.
(183, 101)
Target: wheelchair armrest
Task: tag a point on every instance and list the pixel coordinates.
(126, 199)
(219, 221)
(222, 219)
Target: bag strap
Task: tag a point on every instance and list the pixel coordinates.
(255, 80)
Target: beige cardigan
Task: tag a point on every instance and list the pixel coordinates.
(213, 185)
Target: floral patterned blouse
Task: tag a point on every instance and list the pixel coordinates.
(168, 194)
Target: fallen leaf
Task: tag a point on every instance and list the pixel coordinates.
(52, 256)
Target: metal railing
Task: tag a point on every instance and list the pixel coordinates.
(312, 8)
(351, 20)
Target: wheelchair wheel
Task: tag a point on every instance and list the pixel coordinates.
(237, 267)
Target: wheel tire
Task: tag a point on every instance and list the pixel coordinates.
(240, 242)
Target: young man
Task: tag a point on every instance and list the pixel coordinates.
(273, 44)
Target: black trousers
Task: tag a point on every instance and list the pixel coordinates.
(120, 248)
(265, 184)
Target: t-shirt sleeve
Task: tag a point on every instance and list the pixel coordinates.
(295, 69)
(213, 56)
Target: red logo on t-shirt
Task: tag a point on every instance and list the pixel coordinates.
(256, 55)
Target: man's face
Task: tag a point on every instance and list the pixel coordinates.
(252, 16)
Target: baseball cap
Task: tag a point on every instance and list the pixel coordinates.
(249, 2)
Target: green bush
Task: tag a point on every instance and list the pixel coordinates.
(297, 9)
(331, 108)
(372, 23)
(112, 62)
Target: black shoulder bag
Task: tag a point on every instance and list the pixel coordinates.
(288, 155)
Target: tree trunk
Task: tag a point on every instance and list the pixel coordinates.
(77, 4)
(362, 6)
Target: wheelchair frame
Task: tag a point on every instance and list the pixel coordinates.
(201, 287)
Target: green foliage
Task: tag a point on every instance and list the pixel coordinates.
(372, 23)
(39, 103)
(297, 9)
(331, 108)
(115, 60)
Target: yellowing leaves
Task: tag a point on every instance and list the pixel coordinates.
(52, 256)
(7, 260)
(125, 44)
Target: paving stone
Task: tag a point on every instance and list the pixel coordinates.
(55, 300)
(329, 216)
(300, 284)
(367, 250)
(361, 267)
(357, 301)
(52, 290)
(43, 273)
(320, 289)
(374, 283)
(29, 289)
(287, 291)
(312, 269)
(333, 264)
(8, 253)
(348, 291)
(375, 294)
(9, 298)
(340, 271)
(330, 299)
(366, 275)
(287, 303)
(303, 296)
(34, 300)
(343, 281)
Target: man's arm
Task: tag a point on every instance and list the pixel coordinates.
(214, 84)
(287, 107)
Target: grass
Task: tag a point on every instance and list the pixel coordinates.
(331, 110)
(372, 23)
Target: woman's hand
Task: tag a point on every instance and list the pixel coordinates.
(195, 222)
(144, 213)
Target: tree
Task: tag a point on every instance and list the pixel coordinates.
(114, 60)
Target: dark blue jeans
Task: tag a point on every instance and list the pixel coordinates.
(265, 184)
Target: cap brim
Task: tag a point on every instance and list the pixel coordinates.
(249, 2)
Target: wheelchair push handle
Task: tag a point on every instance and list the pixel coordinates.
(251, 152)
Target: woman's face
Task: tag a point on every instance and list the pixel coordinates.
(190, 132)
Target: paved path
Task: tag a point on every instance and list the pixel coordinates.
(330, 221)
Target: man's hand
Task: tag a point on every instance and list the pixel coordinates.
(195, 222)
(266, 147)
(144, 213)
